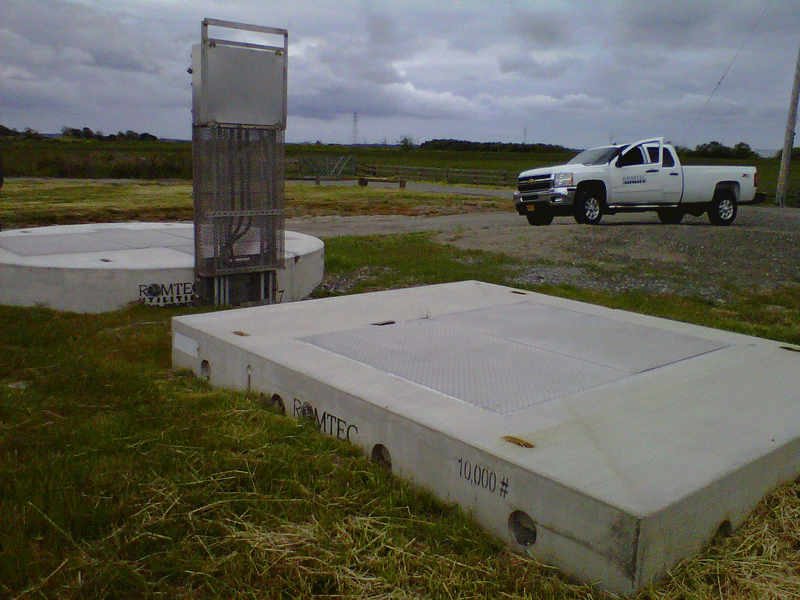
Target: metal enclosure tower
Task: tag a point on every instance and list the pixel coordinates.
(238, 124)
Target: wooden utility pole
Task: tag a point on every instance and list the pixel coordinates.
(788, 142)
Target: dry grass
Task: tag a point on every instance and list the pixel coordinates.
(314, 201)
(760, 560)
(35, 202)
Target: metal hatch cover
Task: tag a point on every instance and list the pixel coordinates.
(507, 358)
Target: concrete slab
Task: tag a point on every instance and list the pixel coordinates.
(607, 443)
(104, 266)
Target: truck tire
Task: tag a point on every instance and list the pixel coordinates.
(588, 206)
(670, 216)
(541, 216)
(722, 210)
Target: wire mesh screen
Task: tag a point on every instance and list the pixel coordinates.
(238, 199)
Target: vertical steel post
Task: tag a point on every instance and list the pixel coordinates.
(788, 142)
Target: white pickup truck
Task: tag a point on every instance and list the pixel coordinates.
(644, 176)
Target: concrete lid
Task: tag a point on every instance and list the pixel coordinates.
(105, 266)
(101, 246)
(634, 411)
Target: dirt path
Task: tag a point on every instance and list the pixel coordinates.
(761, 250)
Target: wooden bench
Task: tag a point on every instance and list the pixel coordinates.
(364, 181)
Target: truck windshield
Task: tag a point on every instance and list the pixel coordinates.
(596, 156)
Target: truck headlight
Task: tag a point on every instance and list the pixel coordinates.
(562, 180)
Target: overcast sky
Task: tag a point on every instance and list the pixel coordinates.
(577, 73)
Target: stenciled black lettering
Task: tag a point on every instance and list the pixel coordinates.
(327, 423)
(480, 476)
(320, 422)
(340, 427)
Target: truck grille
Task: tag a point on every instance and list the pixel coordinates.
(535, 183)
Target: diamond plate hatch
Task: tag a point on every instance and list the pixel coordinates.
(507, 358)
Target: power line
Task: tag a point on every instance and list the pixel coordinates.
(719, 83)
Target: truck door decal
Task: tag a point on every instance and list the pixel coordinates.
(631, 179)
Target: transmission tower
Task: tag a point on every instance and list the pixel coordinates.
(355, 129)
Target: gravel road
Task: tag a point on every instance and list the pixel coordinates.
(760, 251)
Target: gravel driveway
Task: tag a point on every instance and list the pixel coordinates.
(761, 251)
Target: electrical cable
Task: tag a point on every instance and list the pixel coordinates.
(719, 83)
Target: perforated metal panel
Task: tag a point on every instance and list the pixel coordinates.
(239, 104)
(239, 199)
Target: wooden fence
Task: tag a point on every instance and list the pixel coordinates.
(299, 168)
(473, 176)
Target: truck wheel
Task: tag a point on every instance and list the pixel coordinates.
(722, 210)
(542, 216)
(588, 207)
(670, 216)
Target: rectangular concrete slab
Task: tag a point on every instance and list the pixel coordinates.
(607, 443)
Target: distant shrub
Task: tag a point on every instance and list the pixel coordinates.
(466, 146)
(717, 150)
(794, 156)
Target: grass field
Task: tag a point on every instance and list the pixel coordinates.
(26, 202)
(120, 478)
(159, 160)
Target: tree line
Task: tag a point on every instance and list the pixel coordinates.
(466, 146)
(714, 149)
(718, 150)
(710, 150)
(75, 133)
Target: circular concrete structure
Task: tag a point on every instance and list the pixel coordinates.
(104, 266)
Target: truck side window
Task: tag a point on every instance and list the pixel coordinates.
(669, 160)
(632, 157)
(652, 153)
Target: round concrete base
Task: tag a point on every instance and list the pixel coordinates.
(103, 267)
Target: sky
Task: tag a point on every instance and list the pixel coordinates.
(579, 73)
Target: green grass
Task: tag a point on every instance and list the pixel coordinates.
(361, 264)
(120, 478)
(96, 159)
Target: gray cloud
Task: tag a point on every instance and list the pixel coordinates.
(526, 64)
(545, 27)
(574, 72)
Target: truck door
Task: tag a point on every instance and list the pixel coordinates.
(671, 177)
(635, 177)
